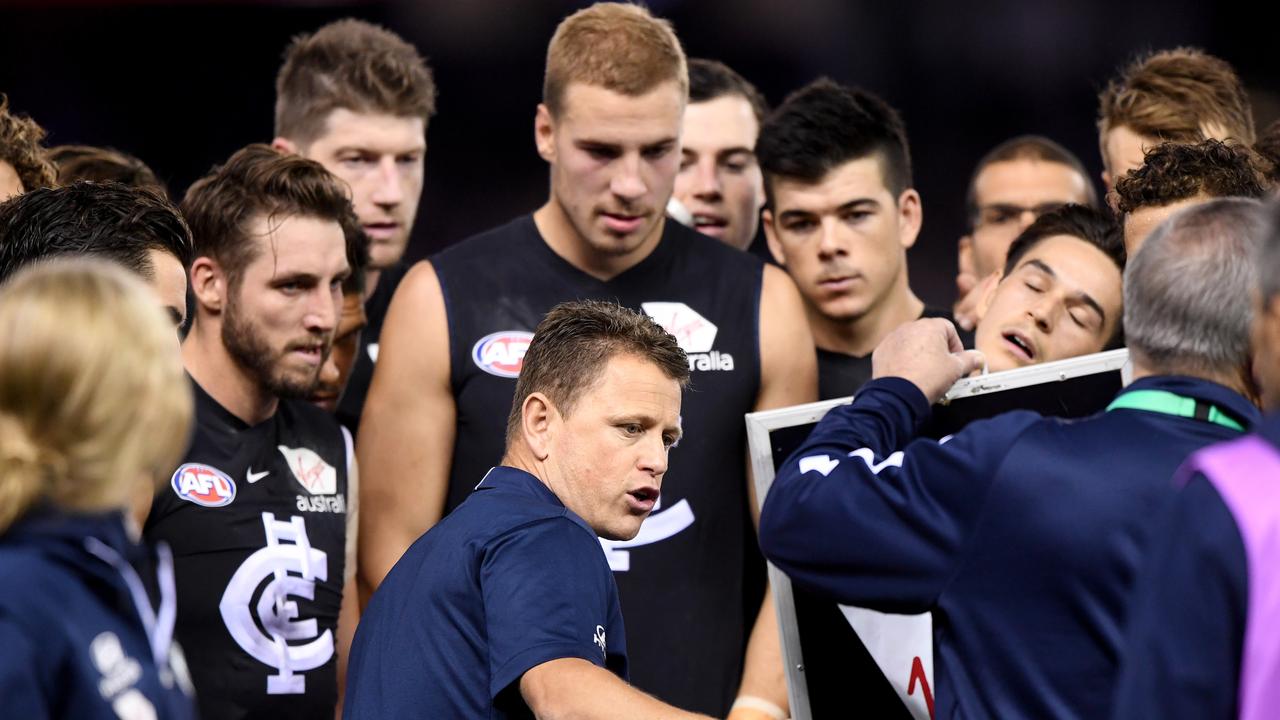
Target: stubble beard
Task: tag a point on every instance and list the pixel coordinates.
(249, 350)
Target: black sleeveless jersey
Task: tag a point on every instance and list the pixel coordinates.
(840, 374)
(375, 309)
(683, 579)
(256, 518)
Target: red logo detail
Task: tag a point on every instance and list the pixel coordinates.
(502, 353)
(309, 477)
(917, 673)
(685, 331)
(203, 485)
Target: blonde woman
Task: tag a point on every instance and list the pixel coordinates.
(93, 403)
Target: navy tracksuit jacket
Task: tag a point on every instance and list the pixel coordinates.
(78, 639)
(1021, 534)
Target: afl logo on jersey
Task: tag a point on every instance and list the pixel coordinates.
(502, 353)
(203, 485)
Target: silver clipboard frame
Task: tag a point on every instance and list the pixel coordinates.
(761, 424)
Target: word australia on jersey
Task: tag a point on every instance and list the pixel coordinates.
(256, 516)
(682, 580)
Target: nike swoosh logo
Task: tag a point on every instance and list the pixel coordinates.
(254, 477)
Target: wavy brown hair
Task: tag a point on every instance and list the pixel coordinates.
(1175, 171)
(259, 181)
(1179, 95)
(20, 138)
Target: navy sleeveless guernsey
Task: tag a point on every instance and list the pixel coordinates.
(257, 520)
(691, 581)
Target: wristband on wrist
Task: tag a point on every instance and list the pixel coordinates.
(760, 706)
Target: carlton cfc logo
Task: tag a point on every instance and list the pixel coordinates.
(502, 353)
(203, 485)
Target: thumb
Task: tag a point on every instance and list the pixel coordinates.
(969, 360)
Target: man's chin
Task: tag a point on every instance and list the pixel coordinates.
(386, 253)
(621, 534)
(294, 386)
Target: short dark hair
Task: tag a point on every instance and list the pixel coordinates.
(1090, 225)
(574, 342)
(1175, 171)
(20, 146)
(711, 79)
(349, 64)
(1026, 147)
(825, 125)
(258, 180)
(109, 220)
(100, 164)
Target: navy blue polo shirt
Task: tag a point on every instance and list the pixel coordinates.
(508, 581)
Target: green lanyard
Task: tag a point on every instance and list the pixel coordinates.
(1170, 404)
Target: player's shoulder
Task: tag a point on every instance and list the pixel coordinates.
(488, 246)
(706, 248)
(495, 516)
(1006, 428)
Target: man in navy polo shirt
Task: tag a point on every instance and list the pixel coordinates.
(507, 606)
(1022, 534)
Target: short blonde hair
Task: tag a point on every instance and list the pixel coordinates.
(92, 392)
(617, 46)
(1181, 95)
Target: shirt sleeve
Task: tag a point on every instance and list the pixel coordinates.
(1185, 637)
(862, 514)
(20, 686)
(547, 595)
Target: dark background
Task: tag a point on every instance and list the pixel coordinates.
(182, 85)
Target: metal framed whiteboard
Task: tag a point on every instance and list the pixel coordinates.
(900, 645)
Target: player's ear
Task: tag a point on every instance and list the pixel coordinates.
(771, 238)
(285, 145)
(910, 217)
(964, 256)
(208, 285)
(544, 130)
(538, 421)
(986, 290)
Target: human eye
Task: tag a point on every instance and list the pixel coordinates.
(656, 153)
(357, 160)
(1084, 318)
(737, 164)
(799, 225)
(1000, 214)
(601, 153)
(856, 215)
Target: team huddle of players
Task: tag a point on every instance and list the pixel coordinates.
(273, 528)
